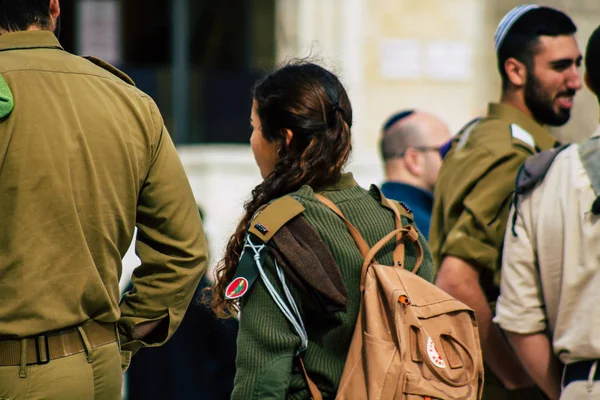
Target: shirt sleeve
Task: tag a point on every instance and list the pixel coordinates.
(520, 307)
(170, 244)
(479, 230)
(266, 345)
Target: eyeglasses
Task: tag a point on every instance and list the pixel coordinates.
(422, 149)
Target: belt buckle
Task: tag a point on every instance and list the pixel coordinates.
(41, 345)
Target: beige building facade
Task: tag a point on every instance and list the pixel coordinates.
(434, 55)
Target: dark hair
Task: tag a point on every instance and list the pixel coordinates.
(592, 62)
(523, 36)
(311, 102)
(19, 15)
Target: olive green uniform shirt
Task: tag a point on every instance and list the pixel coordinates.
(475, 187)
(84, 158)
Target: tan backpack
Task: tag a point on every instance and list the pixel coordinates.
(412, 340)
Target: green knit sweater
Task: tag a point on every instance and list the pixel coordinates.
(266, 366)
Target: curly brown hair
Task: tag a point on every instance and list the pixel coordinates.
(311, 102)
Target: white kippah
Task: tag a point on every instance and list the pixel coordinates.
(508, 21)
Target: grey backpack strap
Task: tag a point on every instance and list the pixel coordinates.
(535, 168)
(531, 173)
(589, 153)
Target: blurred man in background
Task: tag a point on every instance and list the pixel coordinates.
(538, 59)
(410, 148)
(549, 297)
(84, 158)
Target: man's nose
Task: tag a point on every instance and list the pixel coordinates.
(573, 79)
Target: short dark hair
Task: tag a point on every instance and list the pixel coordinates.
(19, 15)
(522, 38)
(592, 62)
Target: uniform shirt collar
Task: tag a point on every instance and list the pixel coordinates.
(541, 136)
(596, 132)
(346, 182)
(29, 40)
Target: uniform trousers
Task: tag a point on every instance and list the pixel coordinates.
(76, 377)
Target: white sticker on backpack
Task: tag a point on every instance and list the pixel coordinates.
(434, 355)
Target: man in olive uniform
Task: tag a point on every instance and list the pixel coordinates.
(84, 158)
(538, 59)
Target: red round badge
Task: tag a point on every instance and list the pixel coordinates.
(237, 288)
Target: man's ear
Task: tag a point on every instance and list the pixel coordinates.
(54, 9)
(412, 161)
(289, 135)
(516, 71)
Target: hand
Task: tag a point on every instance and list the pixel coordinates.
(145, 328)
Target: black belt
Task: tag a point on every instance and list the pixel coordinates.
(580, 371)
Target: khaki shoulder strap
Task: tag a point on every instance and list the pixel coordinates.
(312, 387)
(362, 244)
(113, 70)
(365, 250)
(266, 222)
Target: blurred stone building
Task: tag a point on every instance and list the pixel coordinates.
(199, 59)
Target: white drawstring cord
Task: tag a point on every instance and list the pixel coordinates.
(294, 317)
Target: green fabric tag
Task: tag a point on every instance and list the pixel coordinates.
(6, 99)
(246, 272)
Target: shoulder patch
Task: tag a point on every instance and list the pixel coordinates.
(521, 134)
(110, 68)
(271, 218)
(237, 288)
(246, 272)
(6, 98)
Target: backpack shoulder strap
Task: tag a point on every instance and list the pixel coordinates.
(268, 220)
(532, 172)
(589, 154)
(362, 244)
(535, 168)
(369, 253)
